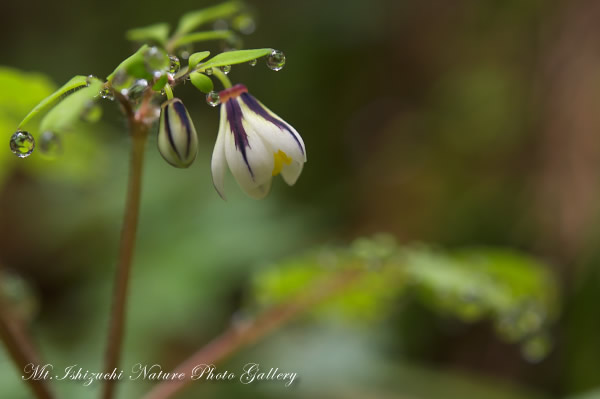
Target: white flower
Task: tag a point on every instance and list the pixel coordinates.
(256, 144)
(177, 139)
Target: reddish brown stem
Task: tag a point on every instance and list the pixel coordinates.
(237, 337)
(139, 133)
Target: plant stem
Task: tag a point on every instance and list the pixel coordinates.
(222, 77)
(21, 349)
(139, 133)
(237, 337)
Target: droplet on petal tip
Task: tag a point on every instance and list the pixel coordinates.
(22, 144)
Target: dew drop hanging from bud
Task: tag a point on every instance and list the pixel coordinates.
(276, 60)
(226, 69)
(50, 145)
(174, 64)
(208, 71)
(253, 62)
(22, 144)
(213, 99)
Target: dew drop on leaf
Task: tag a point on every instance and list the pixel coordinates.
(50, 145)
(276, 60)
(174, 64)
(213, 99)
(22, 144)
(253, 62)
(226, 69)
(208, 71)
(156, 59)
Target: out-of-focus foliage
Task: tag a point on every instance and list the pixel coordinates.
(515, 291)
(83, 154)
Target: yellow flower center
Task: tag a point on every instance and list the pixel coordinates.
(280, 158)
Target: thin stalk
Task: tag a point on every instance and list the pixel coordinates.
(222, 77)
(139, 133)
(21, 349)
(237, 337)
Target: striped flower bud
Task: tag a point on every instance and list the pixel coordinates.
(177, 139)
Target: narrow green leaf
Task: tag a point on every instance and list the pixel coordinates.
(202, 82)
(160, 83)
(69, 110)
(202, 37)
(134, 65)
(235, 57)
(194, 19)
(75, 83)
(196, 58)
(157, 33)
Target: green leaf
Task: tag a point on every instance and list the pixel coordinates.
(156, 33)
(202, 36)
(194, 19)
(235, 57)
(75, 83)
(68, 111)
(202, 82)
(160, 83)
(134, 65)
(196, 58)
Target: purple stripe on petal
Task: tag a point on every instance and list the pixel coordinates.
(180, 110)
(169, 133)
(258, 109)
(234, 116)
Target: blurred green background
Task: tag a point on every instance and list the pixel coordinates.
(462, 124)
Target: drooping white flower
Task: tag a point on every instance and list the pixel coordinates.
(177, 139)
(256, 144)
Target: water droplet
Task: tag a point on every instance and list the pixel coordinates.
(90, 79)
(226, 69)
(122, 80)
(536, 348)
(22, 144)
(186, 51)
(50, 145)
(253, 62)
(156, 59)
(213, 99)
(244, 23)
(135, 91)
(208, 71)
(174, 64)
(107, 94)
(276, 60)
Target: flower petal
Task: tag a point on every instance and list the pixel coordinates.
(219, 162)
(291, 172)
(250, 161)
(177, 139)
(274, 130)
(260, 192)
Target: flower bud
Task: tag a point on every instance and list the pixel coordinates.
(177, 139)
